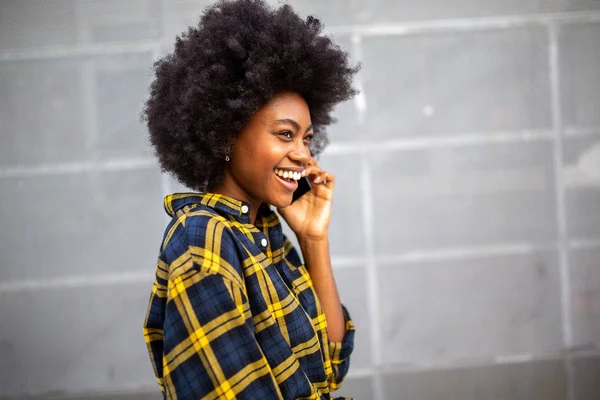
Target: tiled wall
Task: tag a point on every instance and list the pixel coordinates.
(466, 227)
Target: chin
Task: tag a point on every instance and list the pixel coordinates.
(281, 201)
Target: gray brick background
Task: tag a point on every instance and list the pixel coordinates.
(465, 233)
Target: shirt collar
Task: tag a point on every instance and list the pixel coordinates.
(220, 202)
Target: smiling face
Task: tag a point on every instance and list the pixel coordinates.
(274, 142)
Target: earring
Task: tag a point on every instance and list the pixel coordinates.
(226, 158)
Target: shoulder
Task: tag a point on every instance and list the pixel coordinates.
(203, 227)
(202, 238)
(196, 226)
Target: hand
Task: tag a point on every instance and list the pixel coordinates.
(309, 216)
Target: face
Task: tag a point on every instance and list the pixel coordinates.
(275, 140)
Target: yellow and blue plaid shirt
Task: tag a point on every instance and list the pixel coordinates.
(233, 313)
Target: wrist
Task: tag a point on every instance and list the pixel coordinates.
(309, 240)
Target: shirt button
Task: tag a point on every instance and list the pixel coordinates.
(263, 242)
(244, 209)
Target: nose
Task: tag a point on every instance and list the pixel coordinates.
(300, 153)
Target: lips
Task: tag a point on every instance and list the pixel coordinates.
(289, 183)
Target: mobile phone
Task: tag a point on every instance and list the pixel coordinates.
(302, 189)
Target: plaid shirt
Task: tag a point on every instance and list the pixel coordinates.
(233, 313)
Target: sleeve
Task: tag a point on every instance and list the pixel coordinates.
(209, 347)
(339, 352)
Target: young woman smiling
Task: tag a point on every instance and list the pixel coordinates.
(237, 113)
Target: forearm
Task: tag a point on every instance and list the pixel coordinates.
(318, 263)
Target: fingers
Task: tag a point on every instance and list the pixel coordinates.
(324, 177)
(312, 170)
(319, 176)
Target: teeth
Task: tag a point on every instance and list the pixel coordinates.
(288, 174)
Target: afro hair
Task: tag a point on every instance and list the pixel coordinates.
(241, 54)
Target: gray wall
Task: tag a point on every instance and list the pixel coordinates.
(466, 226)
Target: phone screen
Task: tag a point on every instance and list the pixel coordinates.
(303, 188)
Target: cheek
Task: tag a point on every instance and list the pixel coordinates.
(256, 163)
(258, 155)
(267, 155)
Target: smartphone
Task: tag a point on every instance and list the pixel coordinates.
(303, 188)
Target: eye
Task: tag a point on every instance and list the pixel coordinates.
(287, 134)
(309, 138)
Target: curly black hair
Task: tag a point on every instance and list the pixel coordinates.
(241, 54)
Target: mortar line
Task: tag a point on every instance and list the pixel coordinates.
(360, 103)
(561, 211)
(372, 282)
(76, 281)
(467, 24)
(364, 30)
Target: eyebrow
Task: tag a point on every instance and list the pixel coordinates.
(292, 122)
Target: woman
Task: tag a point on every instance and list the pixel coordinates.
(235, 113)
